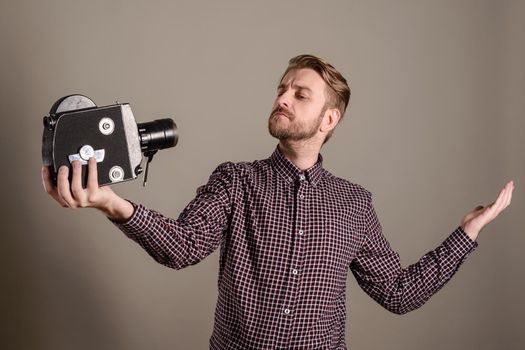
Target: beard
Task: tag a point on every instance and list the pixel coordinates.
(296, 130)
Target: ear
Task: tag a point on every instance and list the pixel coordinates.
(330, 119)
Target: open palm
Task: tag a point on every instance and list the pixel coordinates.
(475, 220)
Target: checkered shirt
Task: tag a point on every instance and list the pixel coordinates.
(287, 241)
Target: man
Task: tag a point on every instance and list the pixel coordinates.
(289, 231)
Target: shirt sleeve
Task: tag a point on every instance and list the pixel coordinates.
(195, 234)
(378, 270)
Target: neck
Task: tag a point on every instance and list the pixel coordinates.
(303, 154)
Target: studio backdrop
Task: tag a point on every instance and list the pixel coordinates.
(434, 128)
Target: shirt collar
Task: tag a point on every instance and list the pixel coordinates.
(291, 173)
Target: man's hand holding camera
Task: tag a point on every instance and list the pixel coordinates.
(93, 196)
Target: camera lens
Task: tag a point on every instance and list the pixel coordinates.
(158, 134)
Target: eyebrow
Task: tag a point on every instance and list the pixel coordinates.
(299, 87)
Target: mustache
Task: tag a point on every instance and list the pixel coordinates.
(284, 111)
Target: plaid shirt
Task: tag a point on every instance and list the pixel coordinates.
(288, 238)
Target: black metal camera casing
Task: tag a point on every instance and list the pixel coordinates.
(76, 129)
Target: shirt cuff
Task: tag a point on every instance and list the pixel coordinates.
(460, 243)
(134, 223)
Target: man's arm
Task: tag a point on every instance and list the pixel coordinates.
(174, 243)
(196, 233)
(378, 270)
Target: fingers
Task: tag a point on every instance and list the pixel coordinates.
(505, 197)
(76, 183)
(50, 188)
(63, 187)
(74, 196)
(46, 181)
(502, 201)
(92, 182)
(510, 184)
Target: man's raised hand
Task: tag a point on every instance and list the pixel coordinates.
(475, 220)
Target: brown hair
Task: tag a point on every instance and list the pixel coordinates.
(338, 94)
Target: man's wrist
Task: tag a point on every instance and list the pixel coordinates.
(471, 232)
(118, 209)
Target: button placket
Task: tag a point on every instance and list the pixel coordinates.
(297, 256)
(298, 248)
(299, 243)
(291, 289)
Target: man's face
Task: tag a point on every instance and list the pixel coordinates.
(299, 107)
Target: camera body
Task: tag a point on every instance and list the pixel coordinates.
(76, 129)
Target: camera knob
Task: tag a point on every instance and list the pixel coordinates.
(86, 152)
(49, 122)
(116, 174)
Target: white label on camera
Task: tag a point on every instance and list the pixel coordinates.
(98, 154)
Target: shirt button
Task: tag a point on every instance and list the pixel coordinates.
(295, 272)
(286, 311)
(301, 232)
(301, 196)
(301, 177)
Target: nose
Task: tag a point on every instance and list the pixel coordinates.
(284, 100)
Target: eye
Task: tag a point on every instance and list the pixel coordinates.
(301, 97)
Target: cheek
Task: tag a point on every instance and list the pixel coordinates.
(310, 112)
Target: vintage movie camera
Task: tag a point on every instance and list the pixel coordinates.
(76, 129)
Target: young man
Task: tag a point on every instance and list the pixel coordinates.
(288, 230)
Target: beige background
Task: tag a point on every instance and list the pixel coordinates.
(435, 127)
